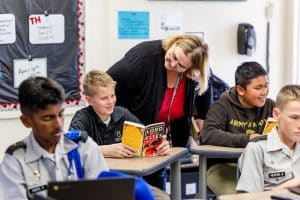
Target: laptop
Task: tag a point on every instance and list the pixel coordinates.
(111, 188)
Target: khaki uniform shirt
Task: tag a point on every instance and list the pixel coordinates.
(267, 163)
(27, 170)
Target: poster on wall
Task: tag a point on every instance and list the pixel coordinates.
(133, 25)
(42, 38)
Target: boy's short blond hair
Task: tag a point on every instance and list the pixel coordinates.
(286, 94)
(95, 79)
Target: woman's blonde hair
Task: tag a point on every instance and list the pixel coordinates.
(95, 79)
(194, 47)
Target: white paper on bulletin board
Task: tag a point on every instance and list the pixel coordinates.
(7, 29)
(24, 68)
(170, 22)
(46, 29)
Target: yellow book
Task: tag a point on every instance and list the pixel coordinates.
(144, 139)
(270, 124)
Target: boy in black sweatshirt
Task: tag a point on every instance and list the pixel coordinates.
(237, 117)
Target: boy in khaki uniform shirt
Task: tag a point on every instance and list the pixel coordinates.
(271, 160)
(30, 164)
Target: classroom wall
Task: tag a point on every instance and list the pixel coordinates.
(218, 20)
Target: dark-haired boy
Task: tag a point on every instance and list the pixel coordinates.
(237, 117)
(29, 164)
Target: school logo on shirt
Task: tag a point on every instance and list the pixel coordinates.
(276, 174)
(119, 136)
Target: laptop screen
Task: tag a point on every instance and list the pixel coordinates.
(109, 189)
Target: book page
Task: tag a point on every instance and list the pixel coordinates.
(153, 138)
(133, 135)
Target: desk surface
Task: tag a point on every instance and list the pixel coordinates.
(146, 165)
(211, 151)
(256, 195)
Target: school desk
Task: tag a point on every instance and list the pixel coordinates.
(210, 151)
(147, 165)
(258, 195)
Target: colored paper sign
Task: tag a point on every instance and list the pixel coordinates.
(133, 25)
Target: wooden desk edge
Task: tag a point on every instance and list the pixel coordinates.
(217, 151)
(255, 195)
(144, 172)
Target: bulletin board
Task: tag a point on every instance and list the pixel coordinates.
(41, 38)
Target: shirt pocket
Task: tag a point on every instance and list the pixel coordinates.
(275, 176)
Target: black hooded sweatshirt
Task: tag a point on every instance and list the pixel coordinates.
(228, 123)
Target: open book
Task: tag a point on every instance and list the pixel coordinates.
(144, 139)
(270, 124)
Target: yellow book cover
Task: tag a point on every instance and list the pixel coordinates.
(270, 124)
(133, 135)
(144, 139)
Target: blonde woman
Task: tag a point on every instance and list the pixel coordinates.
(165, 80)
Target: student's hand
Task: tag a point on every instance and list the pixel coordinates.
(199, 123)
(290, 183)
(164, 147)
(254, 135)
(117, 150)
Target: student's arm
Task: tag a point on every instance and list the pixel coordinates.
(295, 182)
(251, 168)
(93, 160)
(12, 180)
(117, 150)
(214, 127)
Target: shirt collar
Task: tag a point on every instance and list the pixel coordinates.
(35, 151)
(274, 143)
(297, 151)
